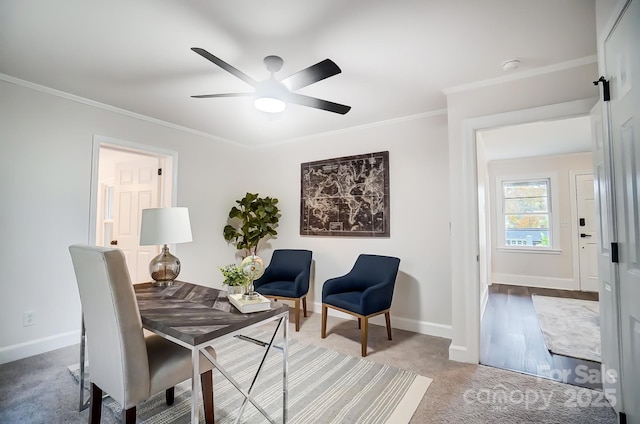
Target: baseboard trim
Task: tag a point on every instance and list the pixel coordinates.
(421, 327)
(459, 354)
(36, 347)
(536, 281)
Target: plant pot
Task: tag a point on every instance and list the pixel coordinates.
(235, 289)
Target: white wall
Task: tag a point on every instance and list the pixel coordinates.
(552, 270)
(465, 110)
(45, 169)
(419, 192)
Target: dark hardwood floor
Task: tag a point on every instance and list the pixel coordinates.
(511, 338)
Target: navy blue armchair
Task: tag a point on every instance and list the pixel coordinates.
(287, 278)
(366, 291)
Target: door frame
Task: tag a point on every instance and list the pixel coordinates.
(466, 310)
(103, 141)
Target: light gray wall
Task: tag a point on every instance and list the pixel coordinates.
(555, 270)
(419, 192)
(45, 167)
(537, 91)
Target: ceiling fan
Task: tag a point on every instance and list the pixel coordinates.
(272, 95)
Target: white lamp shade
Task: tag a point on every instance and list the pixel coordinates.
(270, 104)
(165, 226)
(271, 96)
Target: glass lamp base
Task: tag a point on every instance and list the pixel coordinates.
(164, 268)
(249, 292)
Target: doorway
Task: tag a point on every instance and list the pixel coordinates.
(529, 242)
(126, 179)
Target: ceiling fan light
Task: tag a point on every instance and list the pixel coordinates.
(269, 104)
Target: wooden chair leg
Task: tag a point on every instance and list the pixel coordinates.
(364, 330)
(296, 308)
(387, 318)
(359, 324)
(96, 404)
(206, 379)
(129, 415)
(170, 395)
(324, 321)
(304, 306)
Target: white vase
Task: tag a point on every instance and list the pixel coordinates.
(235, 289)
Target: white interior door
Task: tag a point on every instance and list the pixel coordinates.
(135, 188)
(587, 244)
(607, 273)
(623, 71)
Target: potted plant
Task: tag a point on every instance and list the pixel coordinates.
(253, 219)
(234, 277)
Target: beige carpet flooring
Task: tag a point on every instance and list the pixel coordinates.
(462, 392)
(40, 389)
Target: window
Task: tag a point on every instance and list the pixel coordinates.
(526, 206)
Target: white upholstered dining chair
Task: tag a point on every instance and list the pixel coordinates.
(123, 362)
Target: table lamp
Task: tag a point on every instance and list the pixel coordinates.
(165, 226)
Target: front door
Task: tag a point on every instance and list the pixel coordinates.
(622, 62)
(587, 243)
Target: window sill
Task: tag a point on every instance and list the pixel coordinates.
(529, 250)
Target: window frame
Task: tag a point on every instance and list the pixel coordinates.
(554, 215)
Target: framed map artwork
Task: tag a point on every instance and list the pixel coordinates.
(346, 196)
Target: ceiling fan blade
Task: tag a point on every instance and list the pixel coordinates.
(318, 103)
(208, 96)
(321, 70)
(224, 65)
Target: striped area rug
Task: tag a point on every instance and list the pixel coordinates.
(324, 387)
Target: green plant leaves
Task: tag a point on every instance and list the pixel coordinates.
(233, 275)
(258, 218)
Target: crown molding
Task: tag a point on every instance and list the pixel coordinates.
(522, 75)
(73, 97)
(438, 112)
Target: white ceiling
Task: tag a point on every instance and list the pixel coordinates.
(396, 56)
(545, 138)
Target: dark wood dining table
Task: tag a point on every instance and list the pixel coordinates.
(196, 317)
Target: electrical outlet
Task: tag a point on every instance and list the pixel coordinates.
(28, 318)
